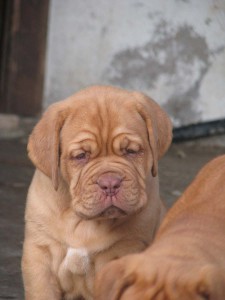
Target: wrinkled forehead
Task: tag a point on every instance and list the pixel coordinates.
(106, 116)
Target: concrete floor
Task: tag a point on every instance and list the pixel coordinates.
(177, 169)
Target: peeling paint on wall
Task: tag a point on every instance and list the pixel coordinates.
(173, 50)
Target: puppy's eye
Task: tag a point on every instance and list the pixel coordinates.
(81, 156)
(131, 151)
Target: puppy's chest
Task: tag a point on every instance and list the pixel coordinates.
(76, 273)
(77, 261)
(77, 264)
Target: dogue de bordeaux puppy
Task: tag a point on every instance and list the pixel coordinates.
(94, 196)
(186, 261)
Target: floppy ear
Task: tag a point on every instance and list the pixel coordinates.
(43, 144)
(159, 127)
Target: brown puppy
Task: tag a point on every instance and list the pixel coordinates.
(187, 259)
(94, 196)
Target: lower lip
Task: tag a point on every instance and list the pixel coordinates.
(113, 212)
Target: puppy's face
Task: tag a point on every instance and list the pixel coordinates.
(105, 158)
(105, 152)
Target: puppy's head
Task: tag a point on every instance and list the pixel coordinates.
(103, 142)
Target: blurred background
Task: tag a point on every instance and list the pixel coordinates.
(173, 50)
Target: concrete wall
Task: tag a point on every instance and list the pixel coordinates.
(173, 50)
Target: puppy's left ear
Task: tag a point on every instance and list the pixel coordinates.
(159, 127)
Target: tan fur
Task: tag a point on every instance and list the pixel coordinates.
(69, 233)
(187, 259)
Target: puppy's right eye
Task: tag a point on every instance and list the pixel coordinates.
(81, 156)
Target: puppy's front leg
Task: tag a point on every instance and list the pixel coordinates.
(39, 282)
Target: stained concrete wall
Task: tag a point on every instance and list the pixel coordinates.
(173, 50)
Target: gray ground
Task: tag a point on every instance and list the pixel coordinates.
(177, 169)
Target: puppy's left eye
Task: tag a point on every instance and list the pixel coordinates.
(131, 151)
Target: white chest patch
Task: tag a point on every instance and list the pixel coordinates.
(77, 260)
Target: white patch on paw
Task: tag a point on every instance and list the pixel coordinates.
(77, 260)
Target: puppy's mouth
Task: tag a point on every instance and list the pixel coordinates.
(112, 212)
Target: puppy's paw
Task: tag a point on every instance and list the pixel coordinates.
(138, 277)
(115, 278)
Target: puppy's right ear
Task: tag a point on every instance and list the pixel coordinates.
(43, 144)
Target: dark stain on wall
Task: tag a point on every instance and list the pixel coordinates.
(181, 56)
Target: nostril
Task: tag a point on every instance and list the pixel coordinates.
(116, 183)
(116, 186)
